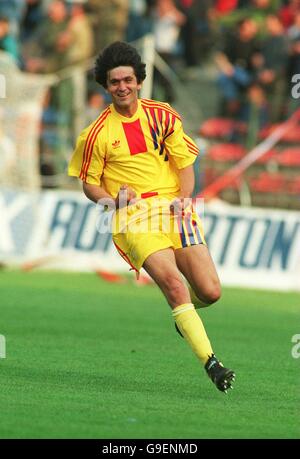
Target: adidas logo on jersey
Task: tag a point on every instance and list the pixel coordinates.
(116, 144)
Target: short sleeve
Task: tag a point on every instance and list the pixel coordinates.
(181, 148)
(88, 159)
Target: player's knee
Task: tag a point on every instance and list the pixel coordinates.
(176, 290)
(212, 294)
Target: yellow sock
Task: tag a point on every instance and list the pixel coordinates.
(191, 327)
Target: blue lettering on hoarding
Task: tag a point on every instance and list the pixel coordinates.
(82, 220)
(100, 241)
(258, 249)
(261, 244)
(72, 220)
(211, 220)
(64, 220)
(73, 226)
(282, 244)
(233, 219)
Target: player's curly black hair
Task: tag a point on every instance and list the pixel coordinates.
(115, 55)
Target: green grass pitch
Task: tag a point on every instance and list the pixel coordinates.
(89, 359)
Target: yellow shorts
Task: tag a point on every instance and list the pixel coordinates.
(148, 226)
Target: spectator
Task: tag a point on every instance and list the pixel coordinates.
(96, 104)
(294, 59)
(255, 113)
(33, 15)
(288, 11)
(81, 34)
(167, 22)
(139, 22)
(13, 10)
(257, 10)
(235, 65)
(223, 7)
(195, 30)
(8, 43)
(109, 19)
(293, 31)
(273, 74)
(47, 50)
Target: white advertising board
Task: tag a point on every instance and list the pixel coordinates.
(251, 247)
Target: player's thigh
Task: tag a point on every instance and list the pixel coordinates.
(161, 266)
(197, 266)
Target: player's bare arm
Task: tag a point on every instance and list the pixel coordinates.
(95, 192)
(187, 183)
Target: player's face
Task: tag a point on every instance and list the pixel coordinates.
(123, 87)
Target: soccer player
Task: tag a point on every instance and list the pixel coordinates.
(137, 160)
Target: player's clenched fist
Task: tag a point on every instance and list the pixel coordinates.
(125, 197)
(178, 205)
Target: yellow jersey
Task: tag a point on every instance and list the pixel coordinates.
(144, 151)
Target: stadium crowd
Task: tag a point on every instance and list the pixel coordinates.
(254, 46)
(255, 42)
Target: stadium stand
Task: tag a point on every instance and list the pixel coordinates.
(222, 128)
(226, 152)
(289, 157)
(289, 137)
